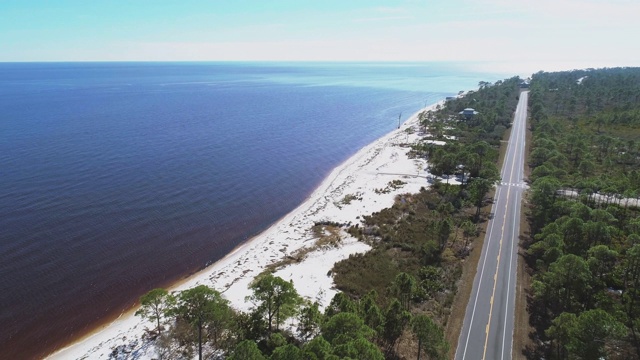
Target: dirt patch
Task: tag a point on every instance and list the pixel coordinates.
(527, 149)
(522, 329)
(408, 345)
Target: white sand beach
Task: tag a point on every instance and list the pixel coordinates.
(371, 168)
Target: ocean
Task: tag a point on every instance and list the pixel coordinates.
(116, 178)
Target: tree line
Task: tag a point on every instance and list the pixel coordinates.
(200, 321)
(424, 238)
(584, 249)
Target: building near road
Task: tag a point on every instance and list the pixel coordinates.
(468, 113)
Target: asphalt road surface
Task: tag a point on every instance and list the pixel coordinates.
(487, 331)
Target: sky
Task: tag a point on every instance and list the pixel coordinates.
(526, 35)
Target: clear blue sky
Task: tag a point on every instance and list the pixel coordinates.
(523, 34)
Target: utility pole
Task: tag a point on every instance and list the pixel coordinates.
(399, 116)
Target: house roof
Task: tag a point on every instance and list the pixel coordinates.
(469, 111)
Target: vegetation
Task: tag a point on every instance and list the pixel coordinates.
(419, 243)
(401, 290)
(155, 306)
(275, 299)
(392, 185)
(203, 309)
(347, 199)
(200, 318)
(584, 248)
(430, 337)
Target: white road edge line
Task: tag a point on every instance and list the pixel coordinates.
(475, 303)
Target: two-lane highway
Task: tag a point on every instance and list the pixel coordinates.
(487, 332)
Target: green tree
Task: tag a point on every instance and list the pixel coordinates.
(593, 330)
(547, 249)
(318, 347)
(490, 173)
(359, 349)
(478, 189)
(309, 321)
(573, 234)
(444, 230)
(561, 331)
(601, 262)
(543, 198)
(597, 233)
(484, 153)
(345, 327)
(155, 306)
(274, 341)
(447, 165)
(430, 252)
(396, 319)
(469, 231)
(403, 287)
(600, 121)
(246, 350)
(566, 285)
(250, 325)
(287, 352)
(430, 337)
(587, 167)
(370, 312)
(274, 297)
(431, 281)
(631, 281)
(340, 302)
(204, 308)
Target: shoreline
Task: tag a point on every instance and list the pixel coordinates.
(371, 168)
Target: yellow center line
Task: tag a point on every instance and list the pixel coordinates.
(495, 282)
(495, 276)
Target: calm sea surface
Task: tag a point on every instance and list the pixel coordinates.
(116, 178)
